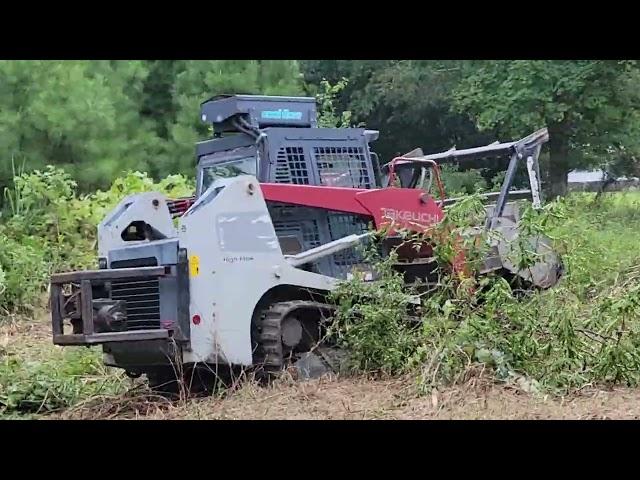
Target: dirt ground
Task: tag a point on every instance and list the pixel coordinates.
(340, 398)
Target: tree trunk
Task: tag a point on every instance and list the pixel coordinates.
(558, 164)
(260, 77)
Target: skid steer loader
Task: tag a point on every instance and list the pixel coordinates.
(280, 207)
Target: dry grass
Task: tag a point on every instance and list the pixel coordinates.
(366, 399)
(332, 398)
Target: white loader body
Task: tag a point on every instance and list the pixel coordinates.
(235, 258)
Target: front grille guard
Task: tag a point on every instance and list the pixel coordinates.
(83, 313)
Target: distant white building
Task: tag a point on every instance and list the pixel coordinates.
(586, 176)
(592, 179)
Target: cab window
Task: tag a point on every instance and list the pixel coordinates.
(233, 168)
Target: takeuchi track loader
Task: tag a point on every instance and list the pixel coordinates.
(238, 276)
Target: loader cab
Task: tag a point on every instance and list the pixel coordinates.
(226, 164)
(277, 139)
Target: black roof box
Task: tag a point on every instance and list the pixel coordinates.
(259, 110)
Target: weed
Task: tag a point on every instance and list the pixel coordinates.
(66, 378)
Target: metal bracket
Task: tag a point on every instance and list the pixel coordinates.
(85, 305)
(98, 338)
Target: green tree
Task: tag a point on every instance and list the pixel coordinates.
(589, 107)
(98, 119)
(81, 115)
(407, 100)
(328, 117)
(200, 80)
(158, 102)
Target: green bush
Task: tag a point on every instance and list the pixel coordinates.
(371, 318)
(370, 322)
(584, 331)
(25, 272)
(48, 227)
(66, 378)
(174, 186)
(45, 227)
(462, 182)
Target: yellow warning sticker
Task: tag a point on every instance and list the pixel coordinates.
(194, 265)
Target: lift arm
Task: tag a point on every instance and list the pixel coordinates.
(397, 208)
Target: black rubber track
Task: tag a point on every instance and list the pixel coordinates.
(270, 353)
